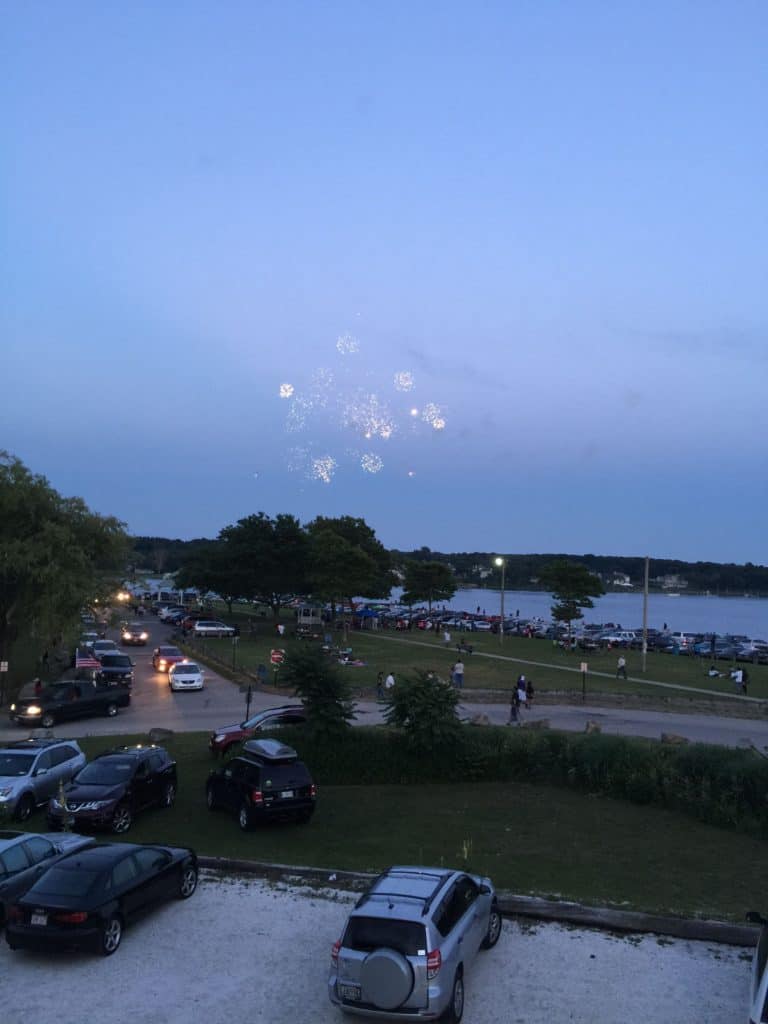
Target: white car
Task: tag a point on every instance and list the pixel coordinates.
(185, 675)
(208, 627)
(758, 990)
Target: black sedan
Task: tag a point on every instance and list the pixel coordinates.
(24, 856)
(85, 900)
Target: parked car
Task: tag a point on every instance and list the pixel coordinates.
(174, 618)
(758, 989)
(186, 675)
(228, 736)
(32, 770)
(86, 899)
(88, 639)
(24, 856)
(134, 633)
(165, 610)
(409, 944)
(69, 699)
(165, 656)
(266, 782)
(102, 647)
(114, 787)
(211, 627)
(115, 667)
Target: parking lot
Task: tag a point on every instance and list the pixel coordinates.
(248, 948)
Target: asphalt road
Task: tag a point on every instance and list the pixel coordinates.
(153, 705)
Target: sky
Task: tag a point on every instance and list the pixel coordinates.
(492, 276)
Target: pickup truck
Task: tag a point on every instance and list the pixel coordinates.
(69, 699)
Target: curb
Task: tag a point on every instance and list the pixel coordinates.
(532, 907)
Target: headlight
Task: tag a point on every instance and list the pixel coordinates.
(126, 636)
(144, 636)
(162, 663)
(95, 805)
(33, 709)
(6, 791)
(55, 803)
(13, 707)
(218, 739)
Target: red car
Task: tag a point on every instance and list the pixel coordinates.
(164, 657)
(271, 718)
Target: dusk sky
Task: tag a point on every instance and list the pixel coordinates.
(507, 263)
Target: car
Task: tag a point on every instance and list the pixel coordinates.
(87, 898)
(410, 941)
(267, 782)
(32, 770)
(164, 611)
(114, 787)
(186, 675)
(174, 618)
(211, 627)
(190, 618)
(115, 667)
(228, 736)
(134, 633)
(88, 639)
(758, 989)
(617, 638)
(68, 699)
(165, 656)
(101, 647)
(23, 858)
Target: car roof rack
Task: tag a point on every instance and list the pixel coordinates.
(427, 899)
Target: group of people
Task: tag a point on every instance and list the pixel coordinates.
(521, 697)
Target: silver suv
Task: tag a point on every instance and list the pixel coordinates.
(409, 942)
(32, 770)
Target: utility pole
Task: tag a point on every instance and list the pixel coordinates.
(645, 613)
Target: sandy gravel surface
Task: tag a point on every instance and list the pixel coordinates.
(249, 950)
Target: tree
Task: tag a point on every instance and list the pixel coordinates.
(346, 561)
(573, 586)
(323, 691)
(53, 555)
(428, 581)
(425, 708)
(211, 568)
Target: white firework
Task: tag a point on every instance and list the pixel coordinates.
(323, 468)
(286, 390)
(371, 463)
(404, 381)
(347, 344)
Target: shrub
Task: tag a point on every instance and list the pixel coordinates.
(424, 707)
(324, 692)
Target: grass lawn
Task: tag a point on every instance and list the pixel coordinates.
(495, 666)
(530, 839)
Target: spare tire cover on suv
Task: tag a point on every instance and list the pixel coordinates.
(386, 978)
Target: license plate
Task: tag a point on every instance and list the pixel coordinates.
(287, 794)
(41, 919)
(351, 992)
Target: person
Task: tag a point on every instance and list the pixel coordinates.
(713, 673)
(621, 667)
(457, 673)
(529, 692)
(514, 708)
(38, 687)
(389, 682)
(380, 685)
(744, 681)
(737, 675)
(522, 693)
(280, 629)
(446, 638)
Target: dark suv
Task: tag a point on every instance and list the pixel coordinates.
(265, 783)
(115, 668)
(112, 788)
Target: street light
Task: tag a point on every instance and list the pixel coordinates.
(502, 565)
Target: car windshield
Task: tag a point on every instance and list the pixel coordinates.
(15, 764)
(367, 933)
(104, 772)
(169, 652)
(65, 882)
(186, 668)
(116, 661)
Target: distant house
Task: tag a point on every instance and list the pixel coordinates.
(621, 579)
(671, 582)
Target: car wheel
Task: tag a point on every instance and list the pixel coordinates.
(244, 817)
(25, 807)
(169, 795)
(48, 721)
(187, 881)
(111, 710)
(494, 928)
(210, 798)
(111, 933)
(122, 818)
(455, 1009)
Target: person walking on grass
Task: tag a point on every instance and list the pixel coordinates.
(529, 692)
(457, 674)
(522, 692)
(389, 682)
(379, 685)
(621, 667)
(514, 707)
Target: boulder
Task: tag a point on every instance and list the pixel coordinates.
(593, 727)
(158, 735)
(480, 719)
(673, 738)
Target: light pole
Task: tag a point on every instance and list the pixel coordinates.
(502, 565)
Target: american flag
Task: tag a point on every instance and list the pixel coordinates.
(84, 659)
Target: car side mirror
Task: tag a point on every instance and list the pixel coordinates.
(754, 917)
(41, 771)
(485, 890)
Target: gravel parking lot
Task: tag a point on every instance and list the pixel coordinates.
(248, 948)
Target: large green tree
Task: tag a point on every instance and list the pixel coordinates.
(428, 581)
(573, 586)
(54, 554)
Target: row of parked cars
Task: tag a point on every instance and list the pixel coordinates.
(198, 623)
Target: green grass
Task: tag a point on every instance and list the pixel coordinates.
(530, 839)
(494, 666)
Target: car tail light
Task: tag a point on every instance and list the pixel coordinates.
(335, 953)
(257, 797)
(73, 917)
(313, 791)
(434, 963)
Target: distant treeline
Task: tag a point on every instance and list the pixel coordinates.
(522, 572)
